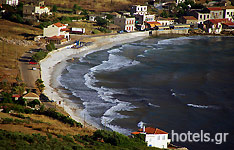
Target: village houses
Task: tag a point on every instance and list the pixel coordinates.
(214, 25)
(125, 23)
(9, 2)
(57, 33)
(154, 137)
(228, 12)
(33, 10)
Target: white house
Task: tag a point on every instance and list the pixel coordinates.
(214, 25)
(165, 21)
(125, 23)
(57, 30)
(154, 137)
(35, 10)
(138, 9)
(228, 12)
(9, 2)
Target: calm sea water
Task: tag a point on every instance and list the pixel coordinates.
(177, 83)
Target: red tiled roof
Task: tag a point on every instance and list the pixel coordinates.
(15, 95)
(214, 8)
(189, 18)
(229, 23)
(61, 37)
(150, 130)
(65, 29)
(216, 21)
(58, 24)
(153, 22)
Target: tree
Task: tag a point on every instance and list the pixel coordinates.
(101, 21)
(76, 7)
(40, 85)
(54, 8)
(164, 14)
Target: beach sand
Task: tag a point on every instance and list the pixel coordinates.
(55, 62)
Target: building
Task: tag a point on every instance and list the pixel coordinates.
(138, 10)
(93, 17)
(35, 10)
(125, 23)
(229, 26)
(140, 19)
(9, 2)
(215, 12)
(31, 96)
(57, 32)
(228, 12)
(154, 137)
(165, 21)
(188, 20)
(201, 15)
(214, 26)
(152, 24)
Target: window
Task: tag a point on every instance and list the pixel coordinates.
(208, 16)
(227, 13)
(204, 17)
(159, 137)
(163, 137)
(200, 16)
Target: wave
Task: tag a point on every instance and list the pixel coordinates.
(114, 63)
(117, 50)
(153, 105)
(202, 106)
(178, 40)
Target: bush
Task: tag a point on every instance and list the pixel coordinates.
(101, 21)
(39, 56)
(34, 103)
(105, 30)
(95, 31)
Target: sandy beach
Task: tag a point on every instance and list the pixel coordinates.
(55, 62)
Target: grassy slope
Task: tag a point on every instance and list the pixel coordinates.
(11, 52)
(45, 125)
(97, 5)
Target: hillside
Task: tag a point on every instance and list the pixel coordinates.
(15, 39)
(96, 5)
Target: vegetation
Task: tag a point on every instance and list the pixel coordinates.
(101, 21)
(114, 141)
(39, 55)
(40, 85)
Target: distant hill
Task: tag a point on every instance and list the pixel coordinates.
(95, 5)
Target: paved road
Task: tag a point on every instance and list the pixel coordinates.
(29, 76)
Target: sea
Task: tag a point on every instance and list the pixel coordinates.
(177, 84)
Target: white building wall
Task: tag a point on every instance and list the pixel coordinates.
(138, 9)
(51, 31)
(39, 10)
(157, 140)
(229, 14)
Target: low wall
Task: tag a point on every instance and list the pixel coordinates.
(173, 31)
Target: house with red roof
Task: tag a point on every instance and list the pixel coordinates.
(188, 20)
(57, 32)
(214, 25)
(154, 137)
(215, 12)
(228, 12)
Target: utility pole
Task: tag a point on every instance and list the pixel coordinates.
(84, 120)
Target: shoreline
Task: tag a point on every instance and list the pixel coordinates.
(55, 62)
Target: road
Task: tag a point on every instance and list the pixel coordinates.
(29, 76)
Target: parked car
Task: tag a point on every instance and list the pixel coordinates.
(121, 31)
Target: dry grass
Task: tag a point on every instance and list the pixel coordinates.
(96, 5)
(12, 30)
(10, 53)
(49, 125)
